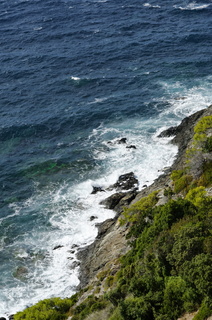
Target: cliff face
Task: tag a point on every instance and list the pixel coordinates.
(111, 241)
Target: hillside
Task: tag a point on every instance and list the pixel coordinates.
(153, 260)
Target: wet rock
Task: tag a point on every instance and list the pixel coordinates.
(20, 272)
(113, 200)
(93, 217)
(2, 318)
(11, 317)
(132, 146)
(122, 141)
(97, 189)
(74, 264)
(58, 247)
(74, 246)
(126, 181)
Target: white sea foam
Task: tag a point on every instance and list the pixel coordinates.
(75, 78)
(192, 6)
(150, 5)
(37, 28)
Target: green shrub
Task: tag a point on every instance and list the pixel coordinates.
(203, 124)
(173, 296)
(206, 178)
(136, 309)
(49, 309)
(205, 310)
(208, 145)
(197, 196)
(116, 315)
(130, 214)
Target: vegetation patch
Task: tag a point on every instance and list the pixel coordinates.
(49, 309)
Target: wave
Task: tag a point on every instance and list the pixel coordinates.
(193, 6)
(150, 5)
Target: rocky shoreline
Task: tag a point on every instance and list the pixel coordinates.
(111, 242)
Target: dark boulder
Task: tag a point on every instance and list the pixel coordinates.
(92, 218)
(97, 189)
(132, 146)
(122, 141)
(126, 181)
(57, 247)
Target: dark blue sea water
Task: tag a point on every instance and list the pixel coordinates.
(76, 74)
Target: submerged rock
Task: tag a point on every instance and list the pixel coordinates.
(20, 272)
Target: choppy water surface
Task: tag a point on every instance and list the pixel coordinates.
(75, 75)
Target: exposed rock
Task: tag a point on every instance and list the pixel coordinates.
(110, 244)
(93, 218)
(97, 189)
(122, 140)
(2, 318)
(74, 264)
(58, 247)
(20, 272)
(126, 181)
(113, 200)
(132, 146)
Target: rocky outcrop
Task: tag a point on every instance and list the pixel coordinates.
(111, 241)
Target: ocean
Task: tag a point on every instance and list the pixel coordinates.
(76, 77)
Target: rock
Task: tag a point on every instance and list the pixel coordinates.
(97, 189)
(58, 247)
(125, 201)
(103, 227)
(11, 317)
(132, 146)
(122, 140)
(74, 264)
(113, 200)
(20, 272)
(74, 246)
(2, 318)
(126, 181)
(93, 217)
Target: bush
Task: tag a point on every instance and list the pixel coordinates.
(136, 309)
(49, 309)
(208, 145)
(205, 310)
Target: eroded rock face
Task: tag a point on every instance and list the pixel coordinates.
(112, 201)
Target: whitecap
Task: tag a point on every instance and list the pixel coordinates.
(150, 5)
(37, 28)
(192, 6)
(75, 78)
